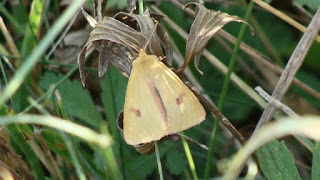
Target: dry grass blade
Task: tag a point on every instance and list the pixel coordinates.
(292, 67)
(205, 25)
(15, 159)
(284, 17)
(12, 47)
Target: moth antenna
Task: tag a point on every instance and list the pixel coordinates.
(149, 39)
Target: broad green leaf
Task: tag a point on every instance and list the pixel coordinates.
(276, 161)
(55, 143)
(176, 162)
(142, 166)
(77, 100)
(315, 173)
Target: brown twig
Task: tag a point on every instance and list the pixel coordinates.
(292, 67)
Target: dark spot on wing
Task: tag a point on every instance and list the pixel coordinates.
(179, 100)
(136, 111)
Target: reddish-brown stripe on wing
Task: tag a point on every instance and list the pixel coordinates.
(158, 99)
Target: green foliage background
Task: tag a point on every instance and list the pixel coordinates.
(97, 107)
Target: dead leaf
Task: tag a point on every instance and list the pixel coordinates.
(205, 25)
(119, 40)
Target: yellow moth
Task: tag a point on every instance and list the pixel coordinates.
(157, 102)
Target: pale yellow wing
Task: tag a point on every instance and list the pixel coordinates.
(183, 108)
(143, 121)
(157, 102)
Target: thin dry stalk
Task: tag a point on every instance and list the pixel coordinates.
(284, 17)
(12, 47)
(276, 103)
(248, 69)
(292, 67)
(303, 140)
(260, 58)
(65, 31)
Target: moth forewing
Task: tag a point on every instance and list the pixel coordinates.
(157, 102)
(182, 107)
(142, 121)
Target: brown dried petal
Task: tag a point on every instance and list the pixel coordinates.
(205, 25)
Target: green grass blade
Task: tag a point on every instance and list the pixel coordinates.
(113, 169)
(189, 156)
(315, 173)
(60, 124)
(225, 90)
(69, 141)
(74, 156)
(158, 160)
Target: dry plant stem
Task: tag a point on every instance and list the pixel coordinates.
(252, 52)
(263, 60)
(217, 114)
(292, 67)
(248, 69)
(273, 54)
(20, 166)
(236, 79)
(48, 153)
(304, 141)
(276, 103)
(12, 47)
(301, 9)
(40, 154)
(64, 33)
(284, 17)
